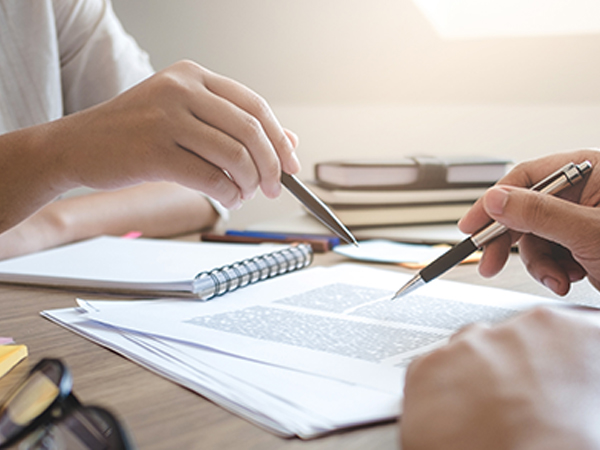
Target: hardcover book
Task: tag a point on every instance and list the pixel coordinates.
(369, 197)
(401, 214)
(418, 172)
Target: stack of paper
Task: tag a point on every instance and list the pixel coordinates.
(305, 354)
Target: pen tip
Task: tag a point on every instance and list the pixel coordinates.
(349, 239)
(398, 294)
(410, 286)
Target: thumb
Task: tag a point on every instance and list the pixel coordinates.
(549, 217)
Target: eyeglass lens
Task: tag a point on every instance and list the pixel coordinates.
(30, 400)
(82, 429)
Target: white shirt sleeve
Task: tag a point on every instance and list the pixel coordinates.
(98, 58)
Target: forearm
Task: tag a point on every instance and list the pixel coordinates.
(155, 209)
(31, 173)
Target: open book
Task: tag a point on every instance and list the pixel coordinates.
(154, 267)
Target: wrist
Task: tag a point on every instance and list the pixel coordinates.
(39, 160)
(38, 232)
(50, 144)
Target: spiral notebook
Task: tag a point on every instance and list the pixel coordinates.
(155, 267)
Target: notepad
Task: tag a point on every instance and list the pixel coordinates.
(155, 267)
(10, 356)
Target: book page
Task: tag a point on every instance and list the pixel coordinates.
(334, 322)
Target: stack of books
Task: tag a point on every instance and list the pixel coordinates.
(412, 190)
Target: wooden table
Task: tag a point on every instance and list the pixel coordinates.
(163, 415)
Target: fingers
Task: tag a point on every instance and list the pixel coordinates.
(247, 117)
(475, 219)
(495, 255)
(227, 125)
(222, 151)
(548, 217)
(468, 330)
(255, 160)
(188, 169)
(529, 173)
(547, 221)
(550, 264)
(545, 216)
(293, 137)
(465, 333)
(573, 224)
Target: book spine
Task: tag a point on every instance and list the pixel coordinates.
(219, 281)
(357, 186)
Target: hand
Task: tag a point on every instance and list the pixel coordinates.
(559, 236)
(184, 124)
(530, 383)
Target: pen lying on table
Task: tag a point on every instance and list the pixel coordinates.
(331, 240)
(568, 175)
(318, 245)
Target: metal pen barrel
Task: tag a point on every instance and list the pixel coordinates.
(568, 175)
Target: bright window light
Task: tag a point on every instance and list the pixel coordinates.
(463, 19)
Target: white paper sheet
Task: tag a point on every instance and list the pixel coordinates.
(384, 251)
(283, 401)
(335, 322)
(333, 331)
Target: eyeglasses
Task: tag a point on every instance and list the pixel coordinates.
(43, 413)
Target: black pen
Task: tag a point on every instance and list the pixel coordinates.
(567, 176)
(317, 207)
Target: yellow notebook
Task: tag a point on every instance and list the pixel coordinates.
(10, 356)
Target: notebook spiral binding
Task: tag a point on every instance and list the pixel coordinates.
(219, 281)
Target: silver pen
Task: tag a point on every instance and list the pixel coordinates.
(568, 175)
(317, 208)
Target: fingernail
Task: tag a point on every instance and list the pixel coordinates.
(237, 205)
(495, 200)
(293, 142)
(276, 191)
(296, 162)
(249, 196)
(575, 275)
(550, 283)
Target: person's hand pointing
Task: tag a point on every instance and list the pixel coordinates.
(559, 236)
